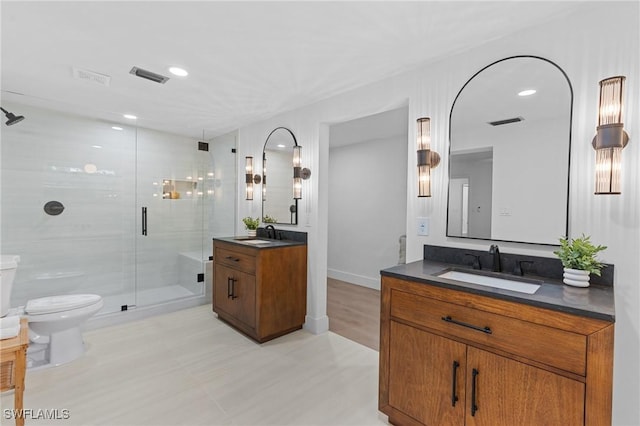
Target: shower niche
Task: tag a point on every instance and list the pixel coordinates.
(177, 189)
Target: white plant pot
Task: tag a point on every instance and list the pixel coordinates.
(576, 277)
(251, 232)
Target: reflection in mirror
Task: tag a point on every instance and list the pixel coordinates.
(278, 204)
(510, 132)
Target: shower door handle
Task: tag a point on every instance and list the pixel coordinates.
(144, 221)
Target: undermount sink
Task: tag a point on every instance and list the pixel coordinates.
(489, 281)
(254, 242)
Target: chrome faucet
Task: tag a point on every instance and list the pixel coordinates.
(268, 230)
(496, 257)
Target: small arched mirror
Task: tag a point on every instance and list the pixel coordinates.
(278, 204)
(510, 137)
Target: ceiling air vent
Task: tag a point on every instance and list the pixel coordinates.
(90, 76)
(158, 78)
(506, 121)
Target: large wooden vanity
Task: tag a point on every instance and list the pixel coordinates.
(456, 356)
(260, 289)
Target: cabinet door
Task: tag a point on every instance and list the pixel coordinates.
(506, 393)
(234, 293)
(427, 375)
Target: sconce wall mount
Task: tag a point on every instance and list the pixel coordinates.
(610, 137)
(250, 178)
(427, 159)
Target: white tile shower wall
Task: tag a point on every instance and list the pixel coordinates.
(87, 166)
(94, 244)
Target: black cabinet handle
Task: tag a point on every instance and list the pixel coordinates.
(233, 289)
(454, 380)
(464, 324)
(229, 287)
(235, 259)
(144, 221)
(474, 407)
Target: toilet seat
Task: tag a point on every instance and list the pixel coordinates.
(53, 304)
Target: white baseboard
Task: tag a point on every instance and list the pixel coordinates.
(316, 325)
(360, 280)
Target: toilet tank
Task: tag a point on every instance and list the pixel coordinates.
(8, 266)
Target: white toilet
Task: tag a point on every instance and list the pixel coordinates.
(56, 318)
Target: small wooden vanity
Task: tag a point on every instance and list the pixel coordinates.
(13, 367)
(453, 356)
(260, 289)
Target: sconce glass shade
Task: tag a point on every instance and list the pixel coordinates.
(297, 169)
(248, 165)
(427, 159)
(608, 170)
(610, 136)
(610, 106)
(264, 177)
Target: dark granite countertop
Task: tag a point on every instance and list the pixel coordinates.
(259, 243)
(594, 301)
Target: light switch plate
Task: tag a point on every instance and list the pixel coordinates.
(423, 226)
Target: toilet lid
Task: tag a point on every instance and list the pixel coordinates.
(48, 305)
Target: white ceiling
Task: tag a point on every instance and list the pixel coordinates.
(247, 60)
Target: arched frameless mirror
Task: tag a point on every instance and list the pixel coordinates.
(278, 204)
(509, 153)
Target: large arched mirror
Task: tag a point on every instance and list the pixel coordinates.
(278, 204)
(510, 137)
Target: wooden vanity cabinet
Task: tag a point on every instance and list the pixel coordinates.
(262, 292)
(448, 357)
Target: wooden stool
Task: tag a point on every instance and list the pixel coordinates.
(13, 366)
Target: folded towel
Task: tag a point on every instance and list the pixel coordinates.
(7, 333)
(10, 321)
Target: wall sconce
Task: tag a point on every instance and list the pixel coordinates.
(250, 179)
(298, 172)
(264, 176)
(427, 159)
(610, 138)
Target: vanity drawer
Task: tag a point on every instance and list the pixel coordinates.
(241, 261)
(558, 348)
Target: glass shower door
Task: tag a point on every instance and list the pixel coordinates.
(172, 192)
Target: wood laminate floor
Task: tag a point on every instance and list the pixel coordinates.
(189, 368)
(354, 312)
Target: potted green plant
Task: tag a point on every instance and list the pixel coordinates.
(269, 219)
(578, 257)
(251, 224)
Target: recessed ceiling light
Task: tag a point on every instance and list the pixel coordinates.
(116, 128)
(280, 145)
(178, 71)
(527, 92)
(130, 116)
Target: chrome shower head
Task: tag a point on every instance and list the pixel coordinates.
(11, 117)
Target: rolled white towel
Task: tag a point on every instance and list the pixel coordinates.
(7, 333)
(10, 321)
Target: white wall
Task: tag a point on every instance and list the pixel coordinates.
(601, 41)
(367, 216)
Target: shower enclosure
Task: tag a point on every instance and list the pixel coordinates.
(128, 213)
